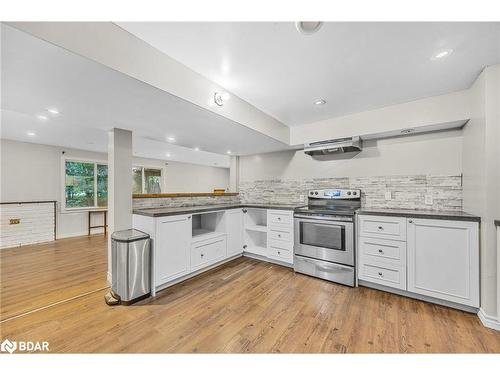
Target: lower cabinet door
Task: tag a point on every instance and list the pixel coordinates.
(234, 230)
(205, 253)
(443, 260)
(171, 257)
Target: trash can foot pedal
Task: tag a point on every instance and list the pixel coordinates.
(111, 299)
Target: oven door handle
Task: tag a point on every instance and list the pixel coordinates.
(321, 218)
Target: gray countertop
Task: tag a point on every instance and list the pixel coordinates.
(425, 214)
(170, 211)
(428, 214)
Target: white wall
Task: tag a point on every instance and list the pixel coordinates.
(32, 171)
(434, 153)
(481, 169)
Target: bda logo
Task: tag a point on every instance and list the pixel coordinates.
(8, 346)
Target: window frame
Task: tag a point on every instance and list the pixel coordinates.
(143, 180)
(64, 159)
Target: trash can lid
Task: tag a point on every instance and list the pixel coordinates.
(129, 235)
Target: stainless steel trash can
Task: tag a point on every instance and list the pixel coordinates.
(130, 266)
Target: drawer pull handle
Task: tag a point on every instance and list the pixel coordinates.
(410, 221)
(202, 255)
(279, 218)
(279, 252)
(381, 274)
(380, 251)
(279, 235)
(380, 228)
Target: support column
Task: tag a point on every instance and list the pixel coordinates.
(119, 184)
(234, 174)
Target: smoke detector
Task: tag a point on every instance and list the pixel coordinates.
(308, 27)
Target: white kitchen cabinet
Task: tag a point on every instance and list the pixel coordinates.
(443, 260)
(234, 230)
(172, 248)
(385, 227)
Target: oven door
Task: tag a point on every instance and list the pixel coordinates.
(324, 239)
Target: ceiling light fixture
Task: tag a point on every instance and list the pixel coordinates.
(171, 139)
(220, 98)
(308, 27)
(167, 154)
(53, 111)
(320, 102)
(42, 117)
(228, 152)
(31, 134)
(197, 149)
(442, 54)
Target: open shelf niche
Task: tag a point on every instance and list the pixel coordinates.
(255, 234)
(208, 225)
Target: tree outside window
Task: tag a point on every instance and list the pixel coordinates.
(85, 184)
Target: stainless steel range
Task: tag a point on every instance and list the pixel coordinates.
(324, 235)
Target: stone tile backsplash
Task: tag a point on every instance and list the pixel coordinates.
(408, 192)
(182, 201)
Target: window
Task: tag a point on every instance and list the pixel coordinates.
(85, 184)
(146, 180)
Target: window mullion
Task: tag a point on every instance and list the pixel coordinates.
(95, 184)
(143, 181)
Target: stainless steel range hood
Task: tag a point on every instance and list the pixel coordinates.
(334, 146)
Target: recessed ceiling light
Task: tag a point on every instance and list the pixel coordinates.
(308, 27)
(167, 154)
(53, 111)
(228, 152)
(320, 102)
(442, 54)
(31, 134)
(42, 117)
(197, 149)
(171, 139)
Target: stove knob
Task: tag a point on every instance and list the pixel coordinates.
(316, 193)
(311, 193)
(354, 193)
(348, 193)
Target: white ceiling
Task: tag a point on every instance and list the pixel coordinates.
(92, 98)
(353, 66)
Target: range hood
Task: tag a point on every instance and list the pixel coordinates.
(334, 146)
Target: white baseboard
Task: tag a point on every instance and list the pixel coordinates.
(488, 320)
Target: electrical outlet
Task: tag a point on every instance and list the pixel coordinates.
(302, 198)
(388, 195)
(428, 199)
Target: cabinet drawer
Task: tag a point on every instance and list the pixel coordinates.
(281, 235)
(279, 244)
(280, 254)
(280, 218)
(207, 252)
(394, 277)
(387, 227)
(386, 250)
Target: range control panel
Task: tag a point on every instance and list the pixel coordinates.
(335, 194)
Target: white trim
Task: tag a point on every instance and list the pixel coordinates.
(488, 320)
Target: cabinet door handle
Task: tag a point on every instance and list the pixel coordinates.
(202, 255)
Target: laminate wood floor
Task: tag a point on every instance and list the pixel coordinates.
(38, 275)
(248, 306)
